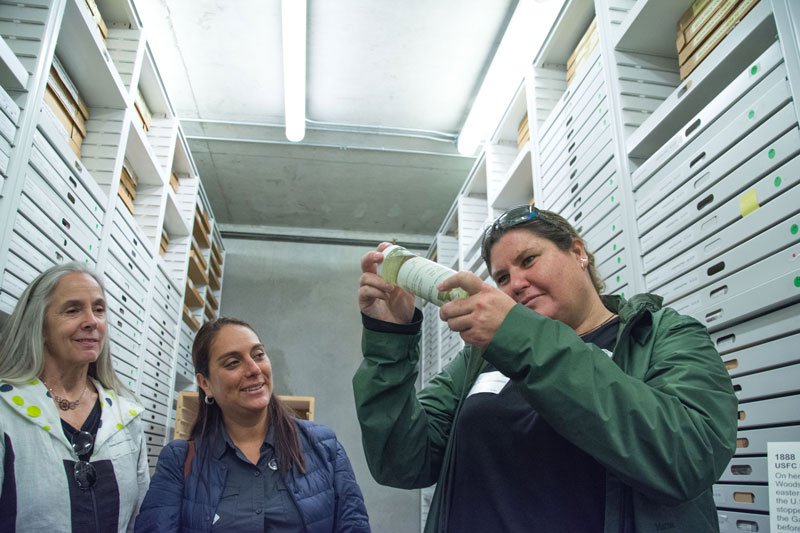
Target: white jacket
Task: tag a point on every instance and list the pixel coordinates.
(33, 449)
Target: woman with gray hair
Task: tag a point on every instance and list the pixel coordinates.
(72, 444)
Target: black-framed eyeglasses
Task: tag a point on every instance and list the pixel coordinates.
(84, 472)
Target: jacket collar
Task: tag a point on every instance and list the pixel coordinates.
(636, 314)
(32, 402)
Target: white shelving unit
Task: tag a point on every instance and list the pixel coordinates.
(685, 188)
(60, 196)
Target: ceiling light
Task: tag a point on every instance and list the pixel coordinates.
(293, 20)
(521, 41)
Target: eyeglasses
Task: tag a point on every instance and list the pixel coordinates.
(85, 474)
(511, 218)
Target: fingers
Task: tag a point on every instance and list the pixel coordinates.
(466, 280)
(370, 260)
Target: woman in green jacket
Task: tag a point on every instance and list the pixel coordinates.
(565, 411)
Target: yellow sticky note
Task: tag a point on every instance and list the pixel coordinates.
(748, 202)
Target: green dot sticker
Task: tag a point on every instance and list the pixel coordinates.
(771, 153)
(133, 412)
(618, 278)
(777, 181)
(46, 428)
(614, 247)
(751, 114)
(611, 181)
(754, 70)
(120, 426)
(619, 260)
(622, 294)
(18, 400)
(613, 227)
(793, 229)
(33, 411)
(797, 281)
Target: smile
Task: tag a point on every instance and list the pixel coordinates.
(252, 388)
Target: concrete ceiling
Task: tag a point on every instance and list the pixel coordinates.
(389, 86)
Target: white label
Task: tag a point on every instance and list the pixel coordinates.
(784, 486)
(492, 382)
(421, 277)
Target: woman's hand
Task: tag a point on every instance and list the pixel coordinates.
(478, 317)
(378, 298)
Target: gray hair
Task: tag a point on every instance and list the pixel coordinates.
(22, 341)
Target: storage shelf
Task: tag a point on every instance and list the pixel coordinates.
(571, 23)
(87, 60)
(13, 76)
(518, 184)
(754, 34)
(649, 27)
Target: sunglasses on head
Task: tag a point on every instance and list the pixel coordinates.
(513, 217)
(84, 472)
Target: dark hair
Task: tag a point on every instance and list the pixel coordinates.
(544, 224)
(208, 424)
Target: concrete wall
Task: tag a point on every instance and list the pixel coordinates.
(301, 299)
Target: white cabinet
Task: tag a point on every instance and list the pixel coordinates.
(94, 167)
(687, 188)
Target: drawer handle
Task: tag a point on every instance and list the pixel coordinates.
(697, 159)
(721, 291)
(716, 269)
(577, 202)
(685, 89)
(578, 216)
(78, 165)
(741, 470)
(727, 339)
(65, 223)
(574, 188)
(73, 182)
(704, 202)
(694, 125)
(70, 198)
(572, 161)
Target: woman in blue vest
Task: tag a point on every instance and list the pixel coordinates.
(249, 465)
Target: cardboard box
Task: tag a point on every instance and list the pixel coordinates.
(64, 82)
(192, 298)
(126, 198)
(716, 37)
(174, 182)
(701, 32)
(98, 18)
(693, 18)
(142, 111)
(69, 128)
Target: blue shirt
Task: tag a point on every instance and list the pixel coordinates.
(255, 497)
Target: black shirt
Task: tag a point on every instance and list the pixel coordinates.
(513, 472)
(255, 497)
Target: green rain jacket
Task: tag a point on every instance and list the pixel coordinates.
(660, 415)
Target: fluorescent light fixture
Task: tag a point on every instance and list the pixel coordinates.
(293, 28)
(524, 35)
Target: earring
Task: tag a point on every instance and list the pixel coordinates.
(584, 262)
(209, 401)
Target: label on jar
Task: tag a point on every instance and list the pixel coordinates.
(421, 276)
